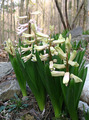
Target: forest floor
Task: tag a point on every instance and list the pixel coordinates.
(31, 110)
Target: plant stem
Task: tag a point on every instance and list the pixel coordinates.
(50, 56)
(67, 65)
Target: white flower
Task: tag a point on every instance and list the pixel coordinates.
(42, 35)
(44, 57)
(59, 66)
(33, 58)
(26, 58)
(66, 78)
(34, 27)
(57, 73)
(9, 47)
(27, 42)
(39, 48)
(23, 50)
(58, 41)
(75, 64)
(51, 65)
(73, 55)
(53, 51)
(27, 35)
(61, 53)
(76, 78)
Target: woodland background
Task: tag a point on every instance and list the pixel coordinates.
(77, 15)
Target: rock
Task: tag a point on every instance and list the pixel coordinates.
(75, 32)
(8, 88)
(81, 37)
(83, 106)
(85, 93)
(5, 68)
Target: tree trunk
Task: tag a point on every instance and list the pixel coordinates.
(61, 15)
(3, 22)
(66, 15)
(84, 17)
(87, 7)
(11, 21)
(76, 16)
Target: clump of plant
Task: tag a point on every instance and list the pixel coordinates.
(76, 45)
(86, 113)
(16, 104)
(86, 32)
(50, 67)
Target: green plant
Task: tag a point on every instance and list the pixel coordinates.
(2, 108)
(76, 45)
(86, 114)
(64, 33)
(16, 104)
(86, 32)
(50, 67)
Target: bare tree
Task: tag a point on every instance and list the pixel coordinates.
(67, 22)
(3, 21)
(77, 14)
(87, 14)
(61, 15)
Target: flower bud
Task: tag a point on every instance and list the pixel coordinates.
(53, 51)
(34, 27)
(58, 41)
(68, 45)
(9, 47)
(57, 73)
(27, 42)
(73, 55)
(33, 58)
(76, 78)
(23, 50)
(27, 35)
(44, 57)
(42, 35)
(39, 48)
(59, 66)
(51, 65)
(26, 58)
(75, 64)
(66, 78)
(61, 53)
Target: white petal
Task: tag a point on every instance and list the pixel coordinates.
(59, 66)
(42, 35)
(75, 64)
(76, 78)
(27, 35)
(51, 64)
(39, 48)
(57, 73)
(66, 78)
(73, 55)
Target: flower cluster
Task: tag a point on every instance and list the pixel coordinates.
(9, 47)
(43, 42)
